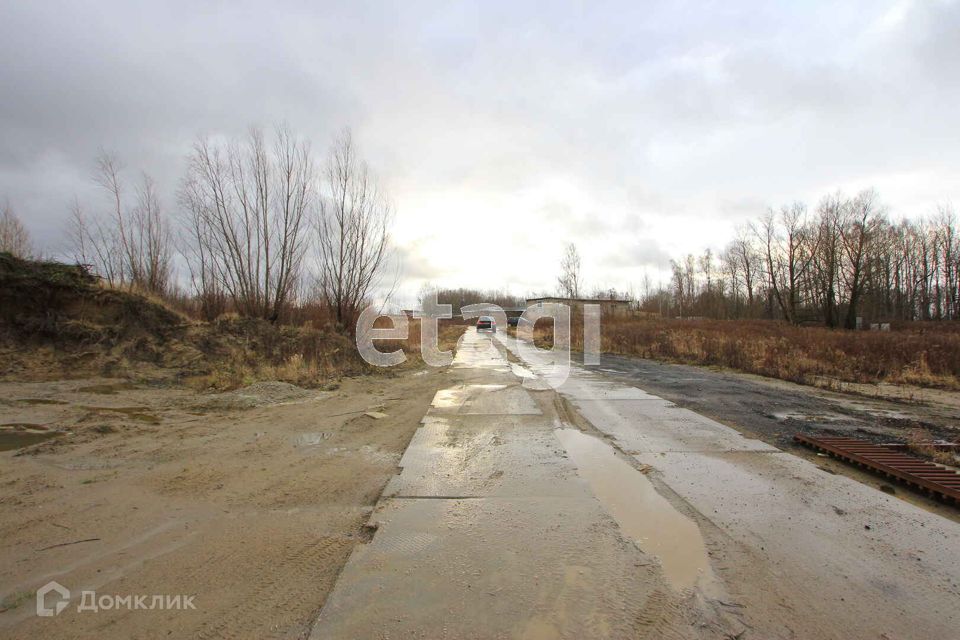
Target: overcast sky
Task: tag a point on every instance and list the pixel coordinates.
(638, 130)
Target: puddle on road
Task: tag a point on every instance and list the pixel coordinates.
(311, 439)
(456, 396)
(108, 389)
(808, 417)
(134, 413)
(485, 399)
(10, 440)
(521, 371)
(642, 513)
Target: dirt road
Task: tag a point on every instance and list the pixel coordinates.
(250, 501)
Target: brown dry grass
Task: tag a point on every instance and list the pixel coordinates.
(245, 351)
(920, 442)
(921, 354)
(447, 337)
(57, 321)
(308, 357)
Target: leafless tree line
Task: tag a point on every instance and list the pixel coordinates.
(129, 245)
(14, 238)
(352, 232)
(259, 228)
(463, 296)
(245, 206)
(845, 260)
(568, 282)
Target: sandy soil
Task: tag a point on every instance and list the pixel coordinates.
(251, 501)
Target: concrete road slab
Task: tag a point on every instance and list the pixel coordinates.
(586, 387)
(484, 399)
(652, 425)
(492, 531)
(820, 530)
(472, 455)
(783, 531)
(495, 568)
(477, 351)
(803, 552)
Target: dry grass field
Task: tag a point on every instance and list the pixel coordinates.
(920, 354)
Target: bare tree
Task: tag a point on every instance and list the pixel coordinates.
(746, 254)
(705, 262)
(706, 268)
(857, 232)
(731, 270)
(847, 262)
(197, 245)
(789, 251)
(128, 246)
(150, 259)
(946, 222)
(569, 280)
(679, 285)
(94, 244)
(690, 275)
(353, 237)
(14, 237)
(245, 208)
(826, 260)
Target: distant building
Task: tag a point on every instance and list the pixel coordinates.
(607, 307)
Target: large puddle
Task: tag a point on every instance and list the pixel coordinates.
(16, 439)
(485, 399)
(642, 513)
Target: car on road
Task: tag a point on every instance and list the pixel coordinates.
(486, 323)
(513, 322)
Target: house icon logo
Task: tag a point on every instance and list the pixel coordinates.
(59, 600)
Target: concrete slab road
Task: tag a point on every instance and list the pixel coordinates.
(603, 511)
(804, 553)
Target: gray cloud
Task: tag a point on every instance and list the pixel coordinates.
(413, 263)
(603, 124)
(641, 252)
